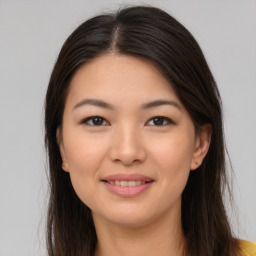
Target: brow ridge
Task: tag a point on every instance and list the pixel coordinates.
(106, 105)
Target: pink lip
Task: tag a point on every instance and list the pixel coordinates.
(127, 191)
(127, 177)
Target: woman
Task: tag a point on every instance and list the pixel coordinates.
(135, 142)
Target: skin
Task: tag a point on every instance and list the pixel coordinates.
(128, 140)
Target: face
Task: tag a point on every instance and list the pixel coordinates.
(127, 141)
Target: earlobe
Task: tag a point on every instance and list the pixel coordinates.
(202, 145)
(62, 150)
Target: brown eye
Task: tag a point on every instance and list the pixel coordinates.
(94, 121)
(160, 121)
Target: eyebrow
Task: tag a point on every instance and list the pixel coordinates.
(148, 105)
(160, 102)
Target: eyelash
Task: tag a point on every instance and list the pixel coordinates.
(91, 118)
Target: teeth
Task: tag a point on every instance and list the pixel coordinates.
(132, 183)
(124, 183)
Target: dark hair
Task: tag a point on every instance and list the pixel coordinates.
(152, 34)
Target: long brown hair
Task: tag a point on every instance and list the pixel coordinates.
(149, 33)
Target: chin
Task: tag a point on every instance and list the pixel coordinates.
(129, 216)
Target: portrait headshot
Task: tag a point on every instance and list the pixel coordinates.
(128, 128)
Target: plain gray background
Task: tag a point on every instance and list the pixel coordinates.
(31, 34)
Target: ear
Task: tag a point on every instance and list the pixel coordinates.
(62, 150)
(202, 145)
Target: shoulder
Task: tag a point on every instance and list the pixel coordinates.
(247, 248)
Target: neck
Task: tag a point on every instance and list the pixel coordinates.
(162, 237)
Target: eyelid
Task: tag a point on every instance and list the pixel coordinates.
(170, 121)
(86, 120)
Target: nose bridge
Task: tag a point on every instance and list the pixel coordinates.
(127, 145)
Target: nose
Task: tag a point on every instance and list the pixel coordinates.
(127, 146)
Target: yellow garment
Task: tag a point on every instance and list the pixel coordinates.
(248, 248)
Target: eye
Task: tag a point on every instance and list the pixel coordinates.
(95, 121)
(160, 121)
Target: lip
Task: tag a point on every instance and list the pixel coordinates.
(127, 177)
(127, 191)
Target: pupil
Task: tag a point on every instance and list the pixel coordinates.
(97, 121)
(158, 121)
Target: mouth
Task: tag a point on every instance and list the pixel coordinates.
(127, 185)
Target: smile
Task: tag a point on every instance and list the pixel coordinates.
(125, 183)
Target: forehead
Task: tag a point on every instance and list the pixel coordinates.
(120, 78)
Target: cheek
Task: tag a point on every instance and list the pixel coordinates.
(174, 153)
(85, 156)
(173, 158)
(84, 153)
